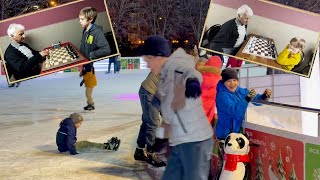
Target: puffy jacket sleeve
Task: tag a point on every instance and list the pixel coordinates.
(103, 48)
(229, 107)
(71, 140)
(284, 59)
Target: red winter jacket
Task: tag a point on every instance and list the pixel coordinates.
(210, 71)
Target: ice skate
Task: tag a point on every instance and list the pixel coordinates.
(113, 144)
(89, 107)
(154, 160)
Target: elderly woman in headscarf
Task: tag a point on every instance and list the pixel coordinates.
(21, 60)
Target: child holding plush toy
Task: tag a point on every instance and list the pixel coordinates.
(292, 54)
(232, 102)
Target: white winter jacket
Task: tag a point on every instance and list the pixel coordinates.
(190, 123)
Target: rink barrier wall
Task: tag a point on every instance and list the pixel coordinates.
(282, 153)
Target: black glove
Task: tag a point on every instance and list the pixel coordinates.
(193, 89)
(265, 96)
(81, 83)
(251, 95)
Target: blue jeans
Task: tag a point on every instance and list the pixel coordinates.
(112, 60)
(189, 161)
(150, 121)
(117, 66)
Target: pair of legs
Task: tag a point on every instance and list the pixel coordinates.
(189, 161)
(150, 121)
(90, 82)
(147, 132)
(116, 65)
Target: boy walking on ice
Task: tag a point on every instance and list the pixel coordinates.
(94, 45)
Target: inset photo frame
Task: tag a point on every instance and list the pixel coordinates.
(55, 39)
(269, 34)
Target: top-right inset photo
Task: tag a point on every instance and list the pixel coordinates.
(262, 32)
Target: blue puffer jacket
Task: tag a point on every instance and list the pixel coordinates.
(66, 136)
(231, 108)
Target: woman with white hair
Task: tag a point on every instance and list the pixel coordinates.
(233, 32)
(21, 60)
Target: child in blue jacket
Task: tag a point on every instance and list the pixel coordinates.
(232, 102)
(67, 134)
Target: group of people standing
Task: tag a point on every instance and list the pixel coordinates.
(191, 95)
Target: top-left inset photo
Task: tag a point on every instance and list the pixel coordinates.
(55, 39)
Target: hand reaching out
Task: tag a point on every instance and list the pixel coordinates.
(44, 53)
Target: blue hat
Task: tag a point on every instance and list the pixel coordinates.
(156, 46)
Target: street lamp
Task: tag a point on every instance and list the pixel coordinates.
(53, 3)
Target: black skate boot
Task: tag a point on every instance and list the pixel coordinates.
(89, 107)
(113, 144)
(11, 85)
(139, 155)
(154, 160)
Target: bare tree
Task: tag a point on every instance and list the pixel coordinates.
(119, 11)
(310, 5)
(12, 8)
(193, 16)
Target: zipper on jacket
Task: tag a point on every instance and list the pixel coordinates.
(184, 128)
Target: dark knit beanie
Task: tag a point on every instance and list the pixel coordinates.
(229, 73)
(156, 46)
(76, 118)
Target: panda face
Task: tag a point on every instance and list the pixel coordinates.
(237, 144)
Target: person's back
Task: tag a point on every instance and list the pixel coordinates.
(188, 124)
(211, 75)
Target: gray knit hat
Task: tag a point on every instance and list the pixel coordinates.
(76, 118)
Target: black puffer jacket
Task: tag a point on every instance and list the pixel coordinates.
(19, 65)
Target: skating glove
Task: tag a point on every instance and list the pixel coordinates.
(266, 95)
(193, 89)
(251, 95)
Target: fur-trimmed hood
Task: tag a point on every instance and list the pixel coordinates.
(213, 65)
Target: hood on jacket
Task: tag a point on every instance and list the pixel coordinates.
(67, 122)
(94, 27)
(213, 65)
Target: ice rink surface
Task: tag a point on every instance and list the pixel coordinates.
(30, 116)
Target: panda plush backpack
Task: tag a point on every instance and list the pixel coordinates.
(236, 164)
